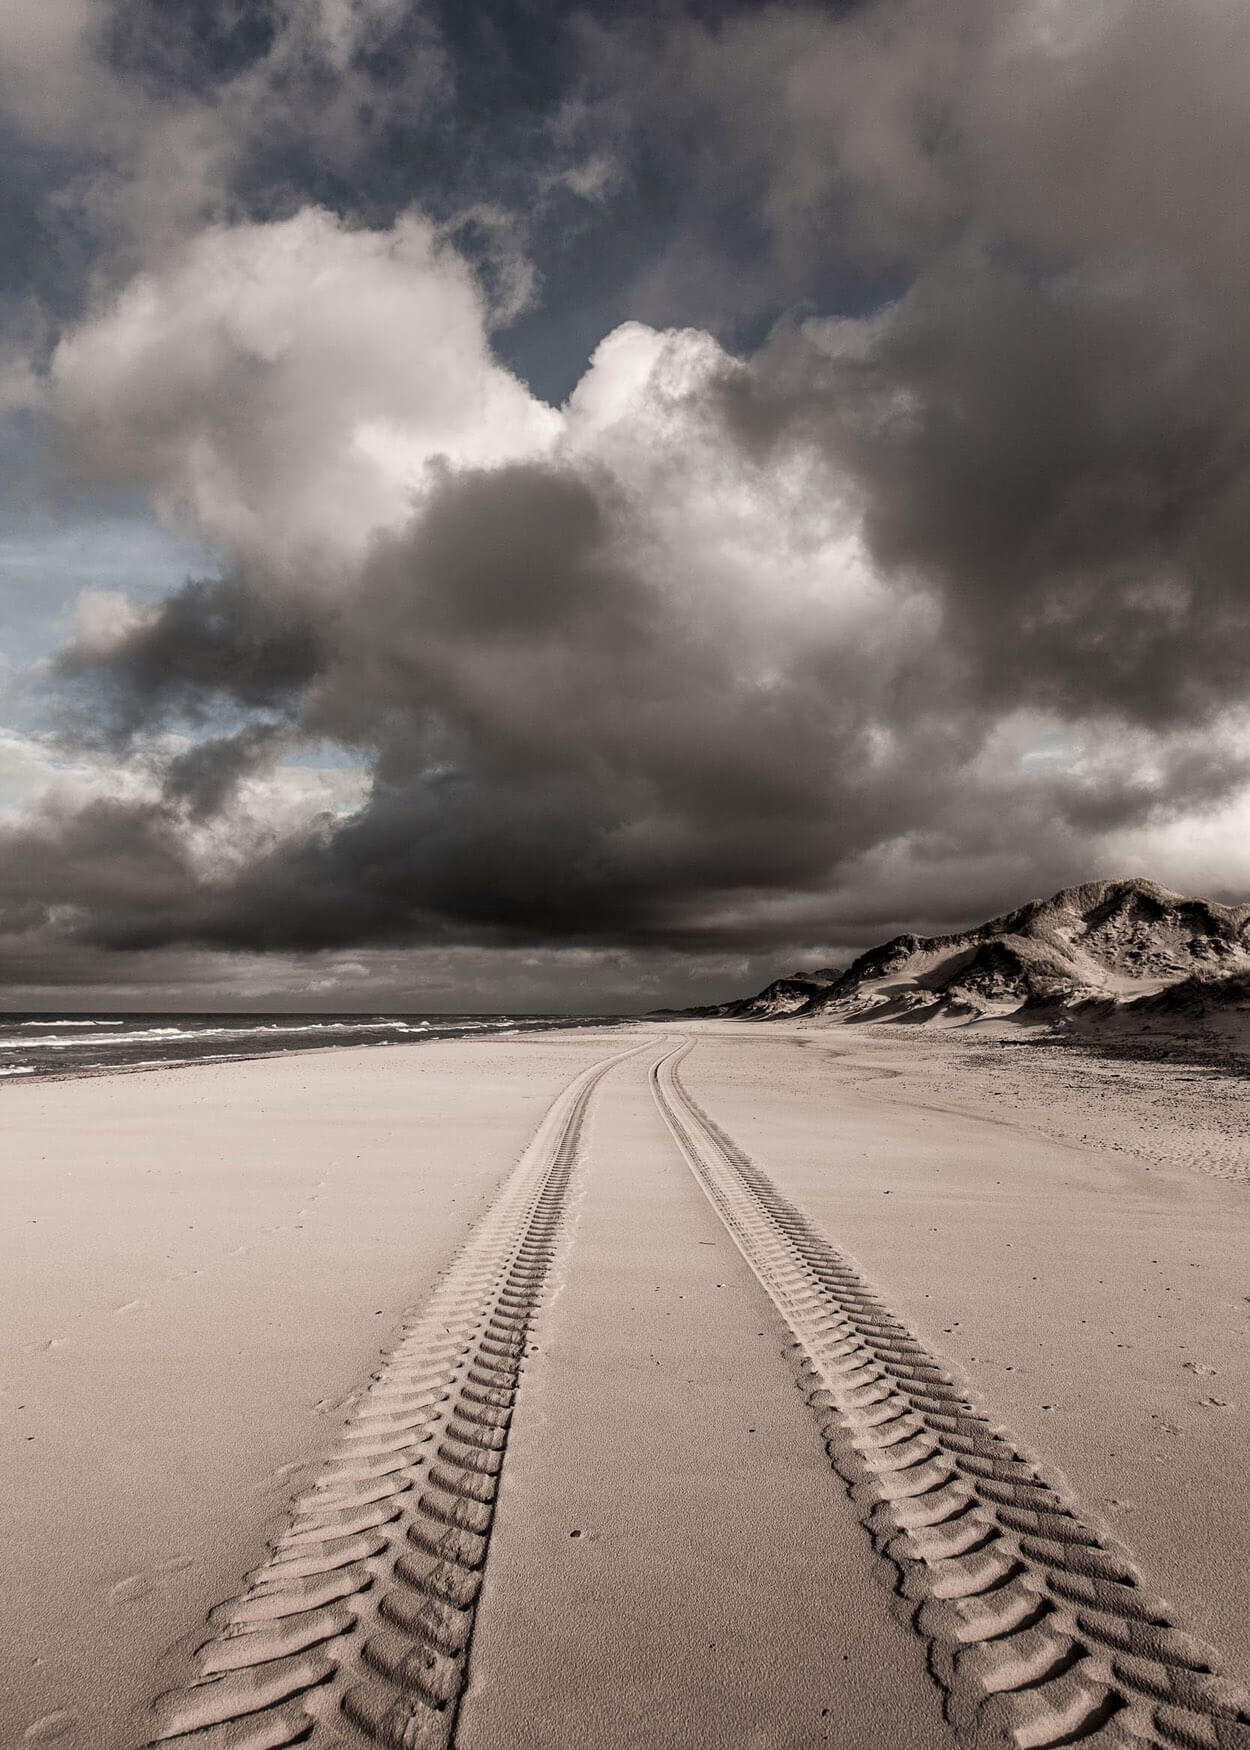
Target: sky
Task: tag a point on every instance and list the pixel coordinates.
(577, 507)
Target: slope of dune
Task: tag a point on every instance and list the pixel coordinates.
(1103, 946)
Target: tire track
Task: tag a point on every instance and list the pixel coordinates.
(357, 1628)
(1040, 1631)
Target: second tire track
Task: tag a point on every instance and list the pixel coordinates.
(1039, 1630)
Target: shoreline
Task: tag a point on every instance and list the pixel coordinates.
(19, 1075)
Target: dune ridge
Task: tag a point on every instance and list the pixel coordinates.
(1126, 948)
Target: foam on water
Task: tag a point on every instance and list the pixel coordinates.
(48, 1044)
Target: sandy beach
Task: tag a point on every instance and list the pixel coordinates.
(624, 876)
(458, 1381)
(201, 1265)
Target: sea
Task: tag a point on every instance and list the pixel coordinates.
(64, 1044)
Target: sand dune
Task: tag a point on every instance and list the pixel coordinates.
(1129, 949)
(576, 1499)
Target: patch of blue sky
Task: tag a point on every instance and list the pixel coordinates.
(50, 554)
(323, 756)
(1052, 749)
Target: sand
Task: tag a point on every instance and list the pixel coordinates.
(199, 1265)
(717, 1592)
(1097, 1300)
(1184, 1113)
(207, 1264)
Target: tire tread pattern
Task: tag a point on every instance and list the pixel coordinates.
(1039, 1630)
(356, 1631)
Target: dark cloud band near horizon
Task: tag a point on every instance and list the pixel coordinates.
(885, 564)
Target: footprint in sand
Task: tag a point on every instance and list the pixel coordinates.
(276, 1478)
(1200, 1367)
(132, 1306)
(50, 1727)
(138, 1585)
(329, 1406)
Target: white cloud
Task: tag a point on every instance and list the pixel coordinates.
(288, 392)
(283, 389)
(36, 772)
(105, 618)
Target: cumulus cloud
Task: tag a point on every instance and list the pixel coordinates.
(638, 686)
(285, 388)
(887, 618)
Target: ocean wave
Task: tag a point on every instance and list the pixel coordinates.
(63, 1045)
(260, 1030)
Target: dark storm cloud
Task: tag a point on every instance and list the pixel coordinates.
(206, 777)
(216, 641)
(562, 750)
(920, 603)
(818, 154)
(1064, 462)
(107, 869)
(562, 745)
